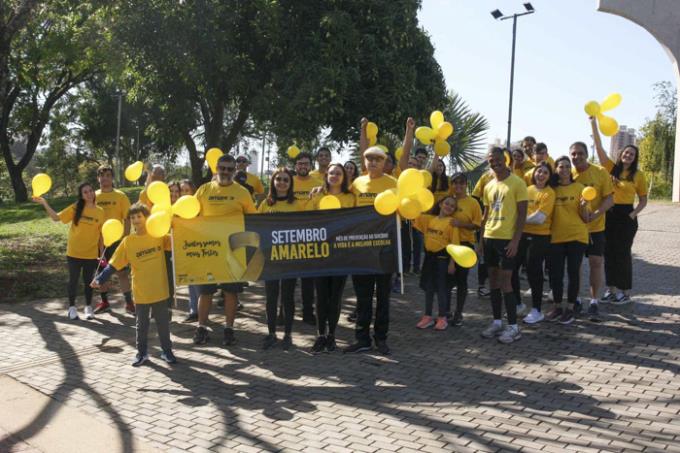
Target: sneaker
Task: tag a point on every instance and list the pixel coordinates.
(330, 343)
(309, 319)
(102, 307)
(130, 308)
(607, 297)
(493, 330)
(357, 347)
(381, 346)
(140, 359)
(621, 299)
(269, 342)
(287, 342)
(594, 313)
(169, 357)
(352, 317)
(228, 338)
(201, 335)
(510, 335)
(441, 324)
(191, 317)
(72, 313)
(457, 319)
(522, 309)
(554, 314)
(533, 317)
(578, 307)
(567, 317)
(89, 313)
(482, 291)
(319, 345)
(526, 293)
(425, 322)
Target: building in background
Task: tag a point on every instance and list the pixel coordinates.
(624, 137)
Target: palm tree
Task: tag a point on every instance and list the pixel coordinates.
(468, 138)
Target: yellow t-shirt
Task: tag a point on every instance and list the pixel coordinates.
(597, 177)
(567, 225)
(347, 200)
(115, 204)
(83, 239)
(540, 200)
(302, 188)
(316, 174)
(144, 198)
(478, 191)
(279, 206)
(224, 200)
(500, 199)
(468, 211)
(254, 182)
(366, 189)
(438, 232)
(146, 256)
(550, 160)
(624, 189)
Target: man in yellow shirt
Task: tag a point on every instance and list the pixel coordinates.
(505, 212)
(252, 180)
(115, 205)
(218, 198)
(323, 160)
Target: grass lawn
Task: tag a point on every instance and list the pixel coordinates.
(33, 250)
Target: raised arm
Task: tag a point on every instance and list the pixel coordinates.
(50, 212)
(363, 142)
(407, 144)
(601, 154)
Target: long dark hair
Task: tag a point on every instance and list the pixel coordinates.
(440, 182)
(618, 166)
(356, 168)
(437, 208)
(80, 204)
(344, 186)
(555, 178)
(545, 165)
(272, 196)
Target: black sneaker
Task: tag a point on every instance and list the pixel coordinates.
(357, 347)
(352, 317)
(309, 319)
(140, 359)
(319, 345)
(330, 343)
(457, 319)
(269, 342)
(594, 313)
(191, 317)
(567, 317)
(201, 335)
(287, 342)
(381, 346)
(229, 338)
(578, 307)
(169, 357)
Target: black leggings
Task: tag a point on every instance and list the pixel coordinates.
(533, 248)
(76, 266)
(272, 288)
(328, 300)
(434, 280)
(460, 279)
(572, 252)
(620, 232)
(482, 271)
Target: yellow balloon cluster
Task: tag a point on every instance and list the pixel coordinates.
(212, 156)
(438, 133)
(293, 151)
(411, 197)
(159, 222)
(463, 256)
(41, 184)
(589, 193)
(186, 207)
(112, 230)
(134, 171)
(372, 133)
(608, 125)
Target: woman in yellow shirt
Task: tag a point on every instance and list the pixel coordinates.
(438, 232)
(520, 164)
(535, 242)
(569, 239)
(281, 198)
(621, 223)
(84, 244)
(440, 182)
(352, 171)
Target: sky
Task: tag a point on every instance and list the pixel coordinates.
(567, 53)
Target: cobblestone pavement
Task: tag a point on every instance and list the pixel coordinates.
(611, 386)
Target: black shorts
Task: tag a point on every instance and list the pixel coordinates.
(495, 254)
(596, 244)
(210, 289)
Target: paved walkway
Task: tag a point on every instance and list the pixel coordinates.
(588, 387)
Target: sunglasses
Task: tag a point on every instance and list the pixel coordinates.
(281, 179)
(374, 158)
(223, 168)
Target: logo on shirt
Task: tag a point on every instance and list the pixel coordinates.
(149, 251)
(221, 198)
(106, 203)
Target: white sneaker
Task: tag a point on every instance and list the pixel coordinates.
(522, 309)
(533, 317)
(526, 293)
(89, 312)
(72, 313)
(493, 330)
(510, 335)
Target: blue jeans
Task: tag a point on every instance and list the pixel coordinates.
(194, 293)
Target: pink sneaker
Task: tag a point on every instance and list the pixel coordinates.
(425, 322)
(442, 323)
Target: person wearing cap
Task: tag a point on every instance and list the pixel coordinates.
(323, 160)
(252, 180)
(366, 188)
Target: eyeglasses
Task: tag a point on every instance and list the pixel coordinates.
(223, 168)
(303, 163)
(280, 179)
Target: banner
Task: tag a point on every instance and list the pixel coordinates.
(284, 245)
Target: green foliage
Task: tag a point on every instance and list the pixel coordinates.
(469, 132)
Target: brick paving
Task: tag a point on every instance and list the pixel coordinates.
(611, 386)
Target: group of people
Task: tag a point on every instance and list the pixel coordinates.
(526, 212)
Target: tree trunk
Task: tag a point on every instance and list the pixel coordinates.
(195, 160)
(20, 191)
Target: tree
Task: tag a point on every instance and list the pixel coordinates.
(469, 132)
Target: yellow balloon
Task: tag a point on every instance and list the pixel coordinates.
(508, 159)
(427, 178)
(329, 202)
(399, 151)
(463, 256)
(386, 202)
(41, 184)
(158, 224)
(159, 208)
(212, 156)
(589, 193)
(112, 230)
(611, 101)
(436, 118)
(425, 135)
(187, 207)
(371, 129)
(425, 198)
(409, 208)
(372, 141)
(592, 108)
(134, 171)
(444, 130)
(159, 193)
(410, 180)
(442, 148)
(293, 151)
(608, 125)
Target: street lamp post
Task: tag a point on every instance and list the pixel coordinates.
(119, 164)
(498, 15)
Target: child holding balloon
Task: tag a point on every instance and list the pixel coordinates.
(434, 279)
(84, 244)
